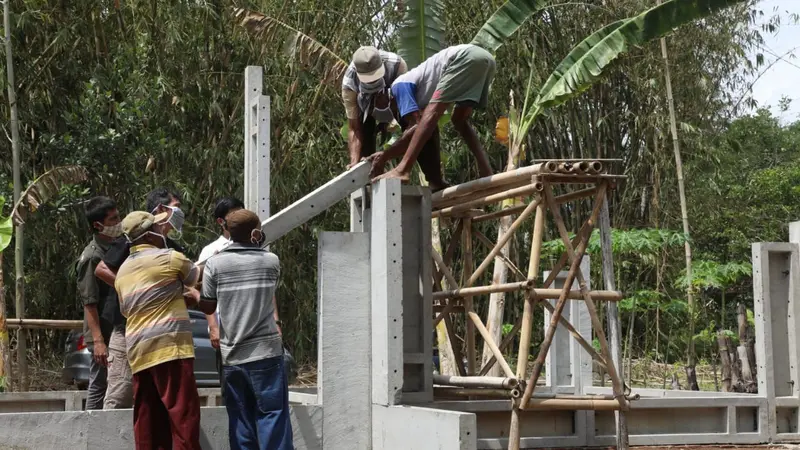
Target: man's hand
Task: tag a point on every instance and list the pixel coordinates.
(100, 353)
(378, 164)
(213, 335)
(191, 296)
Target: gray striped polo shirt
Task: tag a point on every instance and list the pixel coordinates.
(243, 278)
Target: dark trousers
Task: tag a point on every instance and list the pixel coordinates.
(221, 373)
(429, 159)
(257, 401)
(98, 383)
(166, 407)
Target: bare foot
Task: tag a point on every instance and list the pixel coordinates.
(394, 173)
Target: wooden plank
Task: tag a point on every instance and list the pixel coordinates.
(344, 339)
(45, 324)
(316, 202)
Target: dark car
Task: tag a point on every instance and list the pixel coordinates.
(77, 356)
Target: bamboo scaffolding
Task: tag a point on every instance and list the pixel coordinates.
(498, 355)
(521, 174)
(566, 404)
(491, 190)
(503, 346)
(608, 296)
(616, 381)
(488, 199)
(476, 382)
(575, 258)
(489, 245)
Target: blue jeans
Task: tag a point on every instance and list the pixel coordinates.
(257, 401)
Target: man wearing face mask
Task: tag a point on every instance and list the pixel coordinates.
(120, 386)
(103, 218)
(370, 107)
(241, 281)
(366, 102)
(158, 335)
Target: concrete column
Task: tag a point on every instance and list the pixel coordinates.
(256, 143)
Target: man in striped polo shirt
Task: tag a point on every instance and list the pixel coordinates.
(241, 279)
(150, 284)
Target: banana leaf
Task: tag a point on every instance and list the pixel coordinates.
(44, 188)
(505, 22)
(421, 31)
(6, 229)
(585, 63)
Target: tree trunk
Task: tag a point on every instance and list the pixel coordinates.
(691, 374)
(748, 380)
(19, 286)
(725, 361)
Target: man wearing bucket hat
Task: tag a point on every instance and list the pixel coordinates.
(370, 108)
(365, 96)
(241, 281)
(158, 335)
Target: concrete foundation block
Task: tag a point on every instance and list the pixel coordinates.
(417, 428)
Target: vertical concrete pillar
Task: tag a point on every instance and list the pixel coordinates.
(344, 343)
(256, 143)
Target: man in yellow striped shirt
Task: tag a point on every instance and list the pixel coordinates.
(150, 284)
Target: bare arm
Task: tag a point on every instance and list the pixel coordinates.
(105, 273)
(93, 322)
(354, 140)
(275, 314)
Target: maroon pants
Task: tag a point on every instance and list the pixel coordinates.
(166, 407)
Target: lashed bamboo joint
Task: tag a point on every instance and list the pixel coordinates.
(513, 197)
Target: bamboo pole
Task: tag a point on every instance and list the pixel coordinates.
(612, 316)
(501, 241)
(480, 194)
(476, 382)
(474, 392)
(450, 279)
(574, 267)
(580, 179)
(489, 245)
(503, 346)
(469, 340)
(616, 381)
(5, 366)
(451, 335)
(527, 317)
(595, 167)
(575, 195)
(488, 199)
(583, 167)
(490, 342)
(44, 324)
(574, 294)
(523, 173)
(564, 404)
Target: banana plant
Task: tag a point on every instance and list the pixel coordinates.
(505, 22)
(587, 61)
(421, 32)
(6, 230)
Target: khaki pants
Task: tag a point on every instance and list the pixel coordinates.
(119, 393)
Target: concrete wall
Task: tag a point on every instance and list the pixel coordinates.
(104, 430)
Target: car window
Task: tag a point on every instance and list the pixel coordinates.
(199, 324)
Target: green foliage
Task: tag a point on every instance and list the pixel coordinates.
(585, 63)
(711, 274)
(505, 22)
(6, 228)
(645, 244)
(421, 32)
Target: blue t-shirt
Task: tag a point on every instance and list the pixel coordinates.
(405, 94)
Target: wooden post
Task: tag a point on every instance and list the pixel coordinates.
(469, 341)
(612, 314)
(725, 360)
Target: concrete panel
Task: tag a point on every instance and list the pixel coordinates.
(415, 428)
(103, 430)
(344, 339)
(386, 274)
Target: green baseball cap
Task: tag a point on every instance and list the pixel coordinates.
(369, 64)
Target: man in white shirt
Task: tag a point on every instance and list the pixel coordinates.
(224, 206)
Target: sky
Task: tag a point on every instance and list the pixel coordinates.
(782, 78)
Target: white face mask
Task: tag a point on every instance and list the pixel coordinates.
(382, 115)
(113, 231)
(163, 239)
(176, 219)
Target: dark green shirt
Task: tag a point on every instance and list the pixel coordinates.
(91, 289)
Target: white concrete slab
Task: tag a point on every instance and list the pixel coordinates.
(416, 428)
(344, 340)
